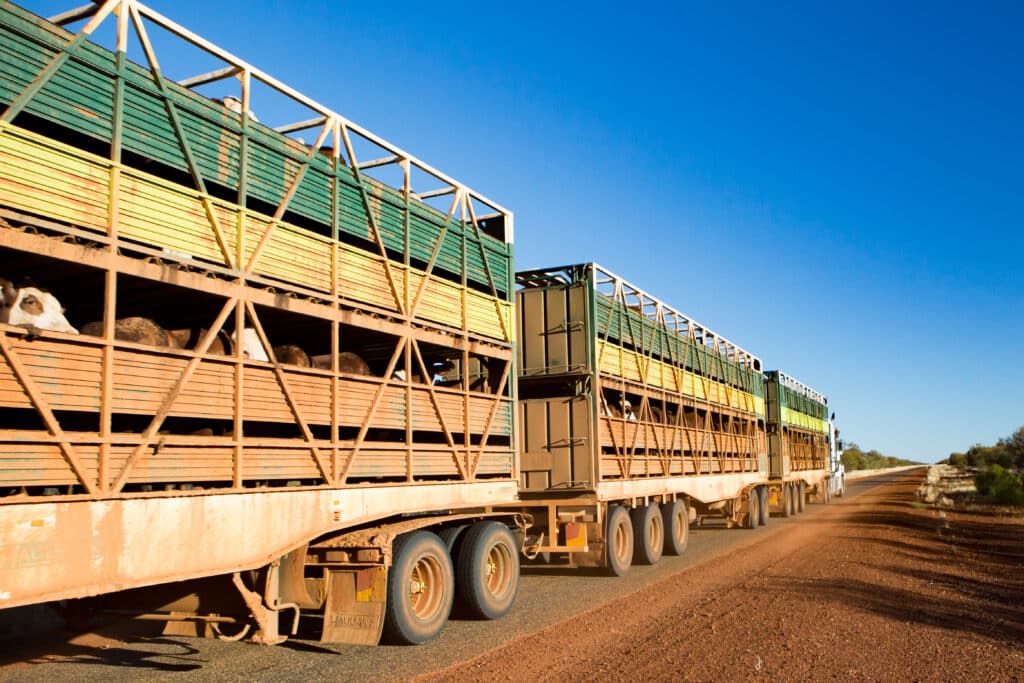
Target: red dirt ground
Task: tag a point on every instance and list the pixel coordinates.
(872, 588)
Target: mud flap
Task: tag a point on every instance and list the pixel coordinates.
(594, 555)
(354, 610)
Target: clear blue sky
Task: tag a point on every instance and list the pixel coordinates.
(836, 187)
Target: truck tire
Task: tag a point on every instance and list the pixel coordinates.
(487, 571)
(762, 505)
(676, 518)
(800, 496)
(618, 541)
(450, 536)
(753, 510)
(420, 589)
(787, 500)
(648, 533)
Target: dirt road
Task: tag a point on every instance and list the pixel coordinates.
(866, 588)
(872, 588)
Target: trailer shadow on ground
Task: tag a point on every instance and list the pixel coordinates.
(959, 572)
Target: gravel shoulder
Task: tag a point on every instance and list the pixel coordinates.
(876, 587)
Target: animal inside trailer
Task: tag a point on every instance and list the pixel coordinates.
(130, 462)
(636, 420)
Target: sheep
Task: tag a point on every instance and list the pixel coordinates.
(189, 338)
(348, 362)
(621, 411)
(290, 354)
(135, 329)
(145, 331)
(32, 308)
(252, 347)
(232, 103)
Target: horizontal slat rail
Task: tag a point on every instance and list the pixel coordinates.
(799, 405)
(628, 329)
(629, 365)
(42, 177)
(808, 450)
(69, 373)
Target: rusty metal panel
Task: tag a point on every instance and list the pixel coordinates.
(73, 549)
(579, 333)
(532, 359)
(583, 448)
(556, 331)
(557, 449)
(554, 338)
(535, 458)
(560, 444)
(354, 611)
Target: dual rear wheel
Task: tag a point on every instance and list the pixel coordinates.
(424, 582)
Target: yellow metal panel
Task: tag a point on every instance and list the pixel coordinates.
(46, 177)
(621, 362)
(41, 176)
(799, 419)
(295, 255)
(166, 218)
(361, 277)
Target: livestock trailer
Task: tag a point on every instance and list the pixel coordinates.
(801, 444)
(635, 419)
(342, 460)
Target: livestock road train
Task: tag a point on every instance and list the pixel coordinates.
(250, 372)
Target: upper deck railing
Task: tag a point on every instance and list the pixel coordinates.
(616, 289)
(328, 124)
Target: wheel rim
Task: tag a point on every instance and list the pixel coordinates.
(619, 542)
(426, 588)
(499, 570)
(681, 525)
(655, 534)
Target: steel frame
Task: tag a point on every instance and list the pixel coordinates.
(661, 314)
(239, 284)
(327, 120)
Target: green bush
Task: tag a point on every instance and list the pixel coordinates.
(999, 485)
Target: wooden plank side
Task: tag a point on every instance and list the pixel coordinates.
(51, 181)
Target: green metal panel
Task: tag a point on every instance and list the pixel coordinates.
(625, 325)
(80, 98)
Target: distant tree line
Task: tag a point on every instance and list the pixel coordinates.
(1007, 453)
(1001, 475)
(856, 459)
